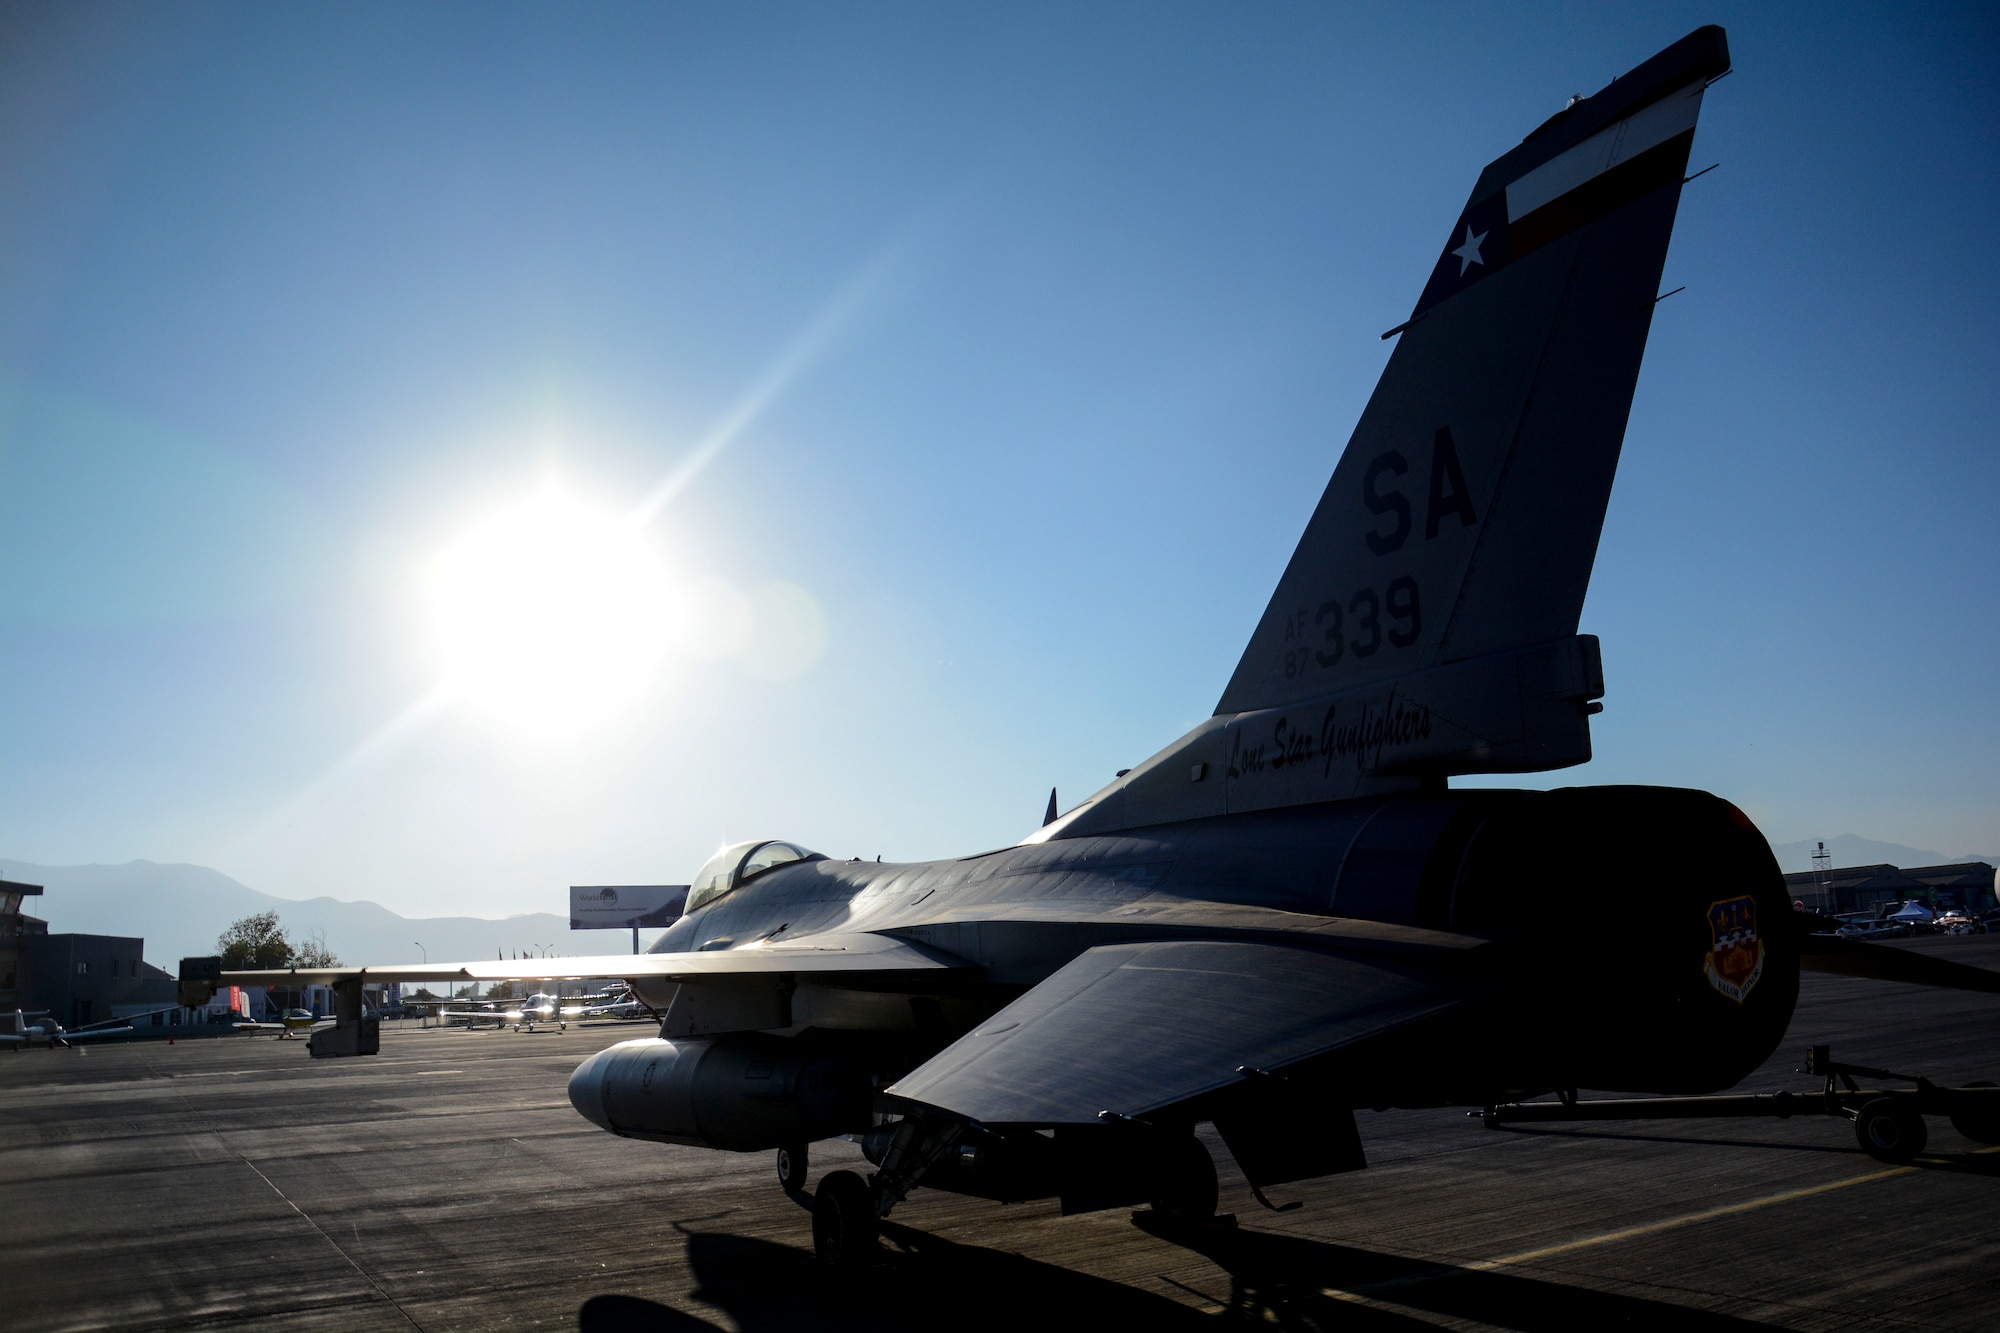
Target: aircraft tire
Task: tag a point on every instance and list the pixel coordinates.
(792, 1167)
(1981, 1126)
(845, 1230)
(1186, 1190)
(1889, 1131)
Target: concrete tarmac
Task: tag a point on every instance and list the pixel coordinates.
(447, 1184)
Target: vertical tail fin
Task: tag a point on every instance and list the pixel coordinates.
(1426, 624)
(1463, 518)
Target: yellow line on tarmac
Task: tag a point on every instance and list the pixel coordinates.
(1362, 1292)
(1707, 1214)
(1686, 1219)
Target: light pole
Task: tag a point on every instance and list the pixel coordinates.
(426, 952)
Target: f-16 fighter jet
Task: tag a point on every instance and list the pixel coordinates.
(1289, 912)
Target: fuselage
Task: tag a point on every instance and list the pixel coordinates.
(1527, 898)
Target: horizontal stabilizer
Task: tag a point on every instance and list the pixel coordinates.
(1130, 1029)
(1885, 962)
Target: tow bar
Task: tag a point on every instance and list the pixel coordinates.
(1888, 1122)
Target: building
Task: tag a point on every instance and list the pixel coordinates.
(1968, 886)
(79, 979)
(83, 979)
(1969, 883)
(14, 926)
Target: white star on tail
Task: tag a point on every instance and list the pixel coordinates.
(1468, 254)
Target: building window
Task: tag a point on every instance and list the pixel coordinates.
(82, 969)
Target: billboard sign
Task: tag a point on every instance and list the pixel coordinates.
(625, 906)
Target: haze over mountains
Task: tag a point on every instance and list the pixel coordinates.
(181, 909)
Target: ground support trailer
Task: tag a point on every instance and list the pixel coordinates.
(1888, 1122)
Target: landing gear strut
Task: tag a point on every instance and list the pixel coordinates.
(1185, 1189)
(848, 1211)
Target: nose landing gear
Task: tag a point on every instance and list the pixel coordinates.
(792, 1167)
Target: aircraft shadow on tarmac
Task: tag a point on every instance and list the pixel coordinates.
(923, 1281)
(1308, 1284)
(1282, 1280)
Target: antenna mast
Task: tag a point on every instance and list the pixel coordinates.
(1823, 879)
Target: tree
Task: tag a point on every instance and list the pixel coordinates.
(314, 953)
(255, 943)
(259, 942)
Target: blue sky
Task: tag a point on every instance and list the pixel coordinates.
(1031, 334)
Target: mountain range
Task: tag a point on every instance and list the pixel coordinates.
(180, 910)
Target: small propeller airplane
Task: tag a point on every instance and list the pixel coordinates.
(290, 1022)
(620, 1004)
(540, 1009)
(1289, 913)
(28, 1030)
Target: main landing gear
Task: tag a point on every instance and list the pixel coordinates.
(1173, 1172)
(1185, 1191)
(846, 1230)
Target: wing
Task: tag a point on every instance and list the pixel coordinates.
(815, 953)
(1132, 1029)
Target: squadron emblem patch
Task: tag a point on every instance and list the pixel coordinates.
(1735, 955)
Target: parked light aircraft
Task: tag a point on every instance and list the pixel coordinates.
(622, 1005)
(289, 1022)
(471, 1017)
(538, 1009)
(1289, 912)
(28, 1030)
(543, 1009)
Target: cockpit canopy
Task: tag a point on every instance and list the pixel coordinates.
(740, 863)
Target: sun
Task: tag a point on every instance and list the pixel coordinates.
(550, 616)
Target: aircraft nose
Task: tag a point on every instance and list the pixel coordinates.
(586, 1089)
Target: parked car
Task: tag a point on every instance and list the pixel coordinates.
(1874, 930)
